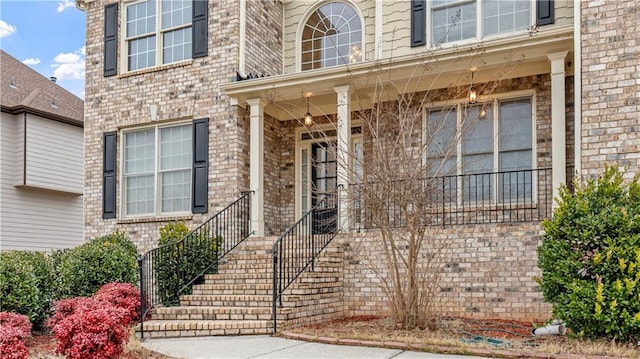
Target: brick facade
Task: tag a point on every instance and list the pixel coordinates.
(610, 49)
(488, 272)
(490, 268)
(181, 91)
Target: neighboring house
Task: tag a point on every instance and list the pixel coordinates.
(41, 161)
(190, 103)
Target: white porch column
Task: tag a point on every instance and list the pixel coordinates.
(256, 165)
(558, 128)
(343, 155)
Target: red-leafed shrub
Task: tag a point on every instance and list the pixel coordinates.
(14, 329)
(64, 308)
(123, 295)
(89, 328)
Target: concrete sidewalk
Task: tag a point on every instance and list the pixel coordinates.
(266, 347)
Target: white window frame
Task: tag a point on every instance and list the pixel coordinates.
(302, 24)
(157, 200)
(479, 23)
(124, 53)
(494, 100)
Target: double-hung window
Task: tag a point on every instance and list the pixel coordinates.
(157, 174)
(456, 20)
(493, 158)
(158, 32)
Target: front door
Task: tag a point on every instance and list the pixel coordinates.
(324, 187)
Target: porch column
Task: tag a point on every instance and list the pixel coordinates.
(558, 128)
(343, 155)
(256, 165)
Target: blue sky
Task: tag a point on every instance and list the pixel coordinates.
(49, 36)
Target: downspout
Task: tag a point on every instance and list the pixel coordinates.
(577, 90)
(24, 152)
(243, 38)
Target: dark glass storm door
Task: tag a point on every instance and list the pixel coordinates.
(324, 180)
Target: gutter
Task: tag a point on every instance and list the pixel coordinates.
(16, 110)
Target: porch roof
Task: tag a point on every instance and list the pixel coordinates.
(425, 70)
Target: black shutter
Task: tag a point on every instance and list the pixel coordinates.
(199, 30)
(110, 39)
(109, 175)
(544, 11)
(200, 191)
(418, 23)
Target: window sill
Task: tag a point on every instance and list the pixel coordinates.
(155, 69)
(155, 219)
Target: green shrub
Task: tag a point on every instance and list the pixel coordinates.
(590, 258)
(26, 284)
(181, 257)
(84, 269)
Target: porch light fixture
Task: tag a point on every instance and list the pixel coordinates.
(473, 95)
(308, 118)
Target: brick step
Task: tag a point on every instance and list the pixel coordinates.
(268, 267)
(217, 313)
(247, 277)
(265, 289)
(218, 287)
(262, 261)
(292, 298)
(197, 328)
(231, 300)
(266, 277)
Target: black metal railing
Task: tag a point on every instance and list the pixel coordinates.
(170, 270)
(299, 246)
(492, 197)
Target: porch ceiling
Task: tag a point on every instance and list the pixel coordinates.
(505, 58)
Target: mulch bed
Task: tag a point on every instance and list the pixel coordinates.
(43, 346)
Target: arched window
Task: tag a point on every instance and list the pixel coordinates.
(331, 36)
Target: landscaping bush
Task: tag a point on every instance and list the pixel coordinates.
(590, 258)
(14, 329)
(185, 260)
(84, 269)
(26, 284)
(89, 328)
(122, 295)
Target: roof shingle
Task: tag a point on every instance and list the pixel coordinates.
(22, 89)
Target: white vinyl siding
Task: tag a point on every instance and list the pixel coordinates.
(33, 218)
(54, 155)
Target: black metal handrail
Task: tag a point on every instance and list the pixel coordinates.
(299, 246)
(490, 197)
(168, 271)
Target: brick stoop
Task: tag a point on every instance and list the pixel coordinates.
(238, 300)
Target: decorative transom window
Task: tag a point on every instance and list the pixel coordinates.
(158, 24)
(455, 20)
(157, 170)
(331, 36)
(494, 154)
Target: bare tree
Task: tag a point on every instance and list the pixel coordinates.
(403, 175)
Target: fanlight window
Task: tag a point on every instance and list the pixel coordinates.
(332, 36)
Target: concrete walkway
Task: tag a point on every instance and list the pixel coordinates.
(266, 347)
